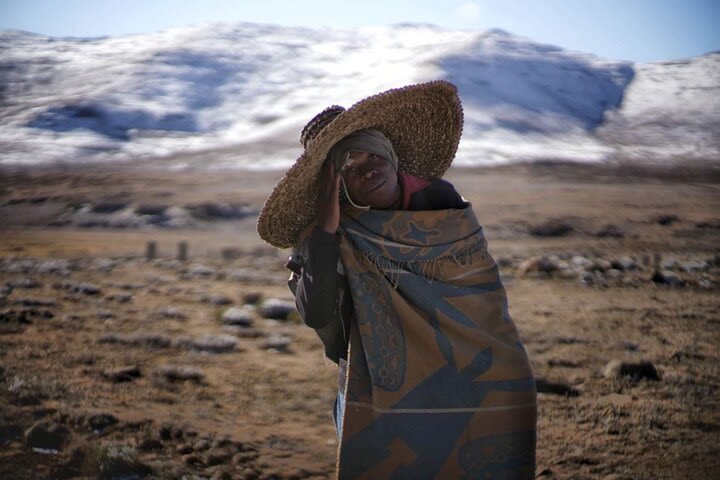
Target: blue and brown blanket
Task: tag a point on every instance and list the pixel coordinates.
(438, 385)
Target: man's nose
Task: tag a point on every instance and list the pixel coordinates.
(368, 173)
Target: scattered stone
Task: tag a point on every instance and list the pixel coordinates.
(277, 309)
(666, 277)
(172, 313)
(536, 264)
(155, 340)
(199, 270)
(581, 262)
(244, 332)
(184, 449)
(624, 264)
(191, 459)
(635, 371)
(555, 388)
(101, 421)
(149, 443)
(610, 231)
(35, 302)
(83, 288)
(692, 267)
(174, 373)
(209, 343)
(554, 227)
(220, 210)
(120, 297)
(201, 445)
(666, 219)
(121, 462)
(23, 283)
(600, 265)
(122, 374)
(277, 343)
(215, 299)
(105, 315)
(47, 435)
(238, 316)
(246, 275)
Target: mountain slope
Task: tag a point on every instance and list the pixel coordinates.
(239, 94)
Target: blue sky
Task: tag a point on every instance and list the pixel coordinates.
(637, 30)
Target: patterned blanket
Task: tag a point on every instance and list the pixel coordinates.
(439, 385)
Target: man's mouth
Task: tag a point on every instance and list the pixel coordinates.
(374, 184)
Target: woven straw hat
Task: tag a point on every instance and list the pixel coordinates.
(423, 122)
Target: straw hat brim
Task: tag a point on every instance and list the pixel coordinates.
(423, 122)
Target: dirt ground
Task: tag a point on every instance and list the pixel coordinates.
(113, 365)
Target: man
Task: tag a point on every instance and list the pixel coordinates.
(394, 275)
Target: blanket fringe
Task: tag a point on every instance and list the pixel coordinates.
(429, 269)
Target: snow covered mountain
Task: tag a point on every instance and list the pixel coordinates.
(238, 95)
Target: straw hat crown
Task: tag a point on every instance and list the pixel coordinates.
(423, 122)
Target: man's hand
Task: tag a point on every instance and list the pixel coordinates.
(328, 212)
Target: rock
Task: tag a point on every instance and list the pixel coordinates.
(555, 388)
(191, 459)
(555, 227)
(580, 262)
(220, 210)
(175, 373)
(83, 288)
(244, 332)
(23, 283)
(35, 302)
(277, 309)
(692, 267)
(666, 219)
(172, 313)
(155, 340)
(624, 264)
(600, 265)
(101, 421)
(184, 449)
(665, 277)
(277, 343)
(199, 270)
(122, 374)
(209, 343)
(536, 264)
(47, 435)
(121, 462)
(613, 274)
(215, 299)
(149, 443)
(238, 316)
(610, 231)
(105, 315)
(635, 371)
(201, 445)
(670, 264)
(120, 297)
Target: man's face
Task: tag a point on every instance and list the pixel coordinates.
(371, 180)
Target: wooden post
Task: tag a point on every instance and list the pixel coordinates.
(150, 250)
(182, 254)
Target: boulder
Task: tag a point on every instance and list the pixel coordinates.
(47, 435)
(635, 371)
(238, 316)
(277, 309)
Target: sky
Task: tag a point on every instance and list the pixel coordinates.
(635, 30)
